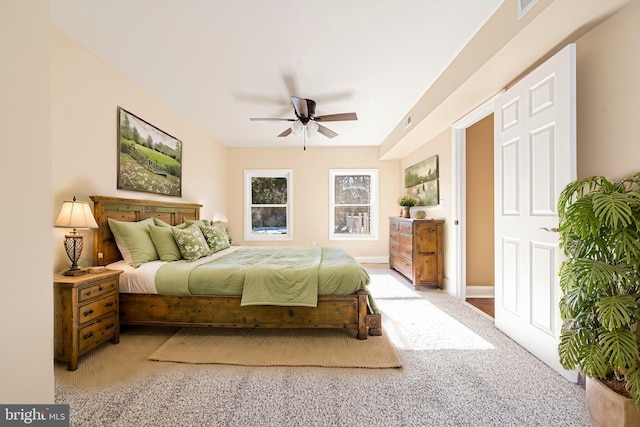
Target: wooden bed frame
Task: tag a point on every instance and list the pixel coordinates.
(341, 312)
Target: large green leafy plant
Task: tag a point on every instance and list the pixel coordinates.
(600, 234)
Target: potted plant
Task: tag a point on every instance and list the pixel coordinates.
(599, 232)
(407, 202)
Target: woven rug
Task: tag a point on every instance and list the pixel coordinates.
(335, 348)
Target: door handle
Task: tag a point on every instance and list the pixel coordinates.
(550, 230)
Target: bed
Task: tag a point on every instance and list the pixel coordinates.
(350, 311)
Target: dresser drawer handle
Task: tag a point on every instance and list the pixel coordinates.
(87, 293)
(109, 326)
(88, 313)
(109, 304)
(100, 287)
(87, 335)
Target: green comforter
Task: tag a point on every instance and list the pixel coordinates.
(267, 275)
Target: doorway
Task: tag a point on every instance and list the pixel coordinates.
(479, 205)
(460, 213)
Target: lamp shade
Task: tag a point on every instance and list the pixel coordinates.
(312, 128)
(75, 215)
(296, 127)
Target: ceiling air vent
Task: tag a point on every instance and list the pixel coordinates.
(408, 120)
(524, 6)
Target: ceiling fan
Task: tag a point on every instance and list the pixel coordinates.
(305, 110)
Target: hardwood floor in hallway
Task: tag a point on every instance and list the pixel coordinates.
(485, 304)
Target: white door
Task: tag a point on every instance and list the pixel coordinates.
(535, 139)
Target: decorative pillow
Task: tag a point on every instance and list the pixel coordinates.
(161, 223)
(199, 222)
(216, 236)
(165, 243)
(191, 242)
(134, 241)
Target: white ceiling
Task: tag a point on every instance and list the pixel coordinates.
(219, 63)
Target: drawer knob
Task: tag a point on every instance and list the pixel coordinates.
(88, 312)
(109, 326)
(109, 304)
(87, 335)
(100, 287)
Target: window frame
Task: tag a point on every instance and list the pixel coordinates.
(267, 173)
(373, 204)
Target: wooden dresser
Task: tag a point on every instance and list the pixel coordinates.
(415, 249)
(85, 314)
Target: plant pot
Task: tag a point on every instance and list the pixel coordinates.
(608, 408)
(406, 212)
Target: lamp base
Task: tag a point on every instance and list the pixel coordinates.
(77, 272)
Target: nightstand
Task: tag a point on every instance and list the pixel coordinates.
(85, 314)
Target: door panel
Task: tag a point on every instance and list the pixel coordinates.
(535, 158)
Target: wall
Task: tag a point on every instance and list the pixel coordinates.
(608, 97)
(440, 145)
(479, 203)
(86, 93)
(311, 192)
(608, 88)
(26, 298)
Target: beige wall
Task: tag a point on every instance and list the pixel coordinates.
(440, 145)
(479, 203)
(311, 192)
(608, 97)
(86, 94)
(608, 88)
(26, 298)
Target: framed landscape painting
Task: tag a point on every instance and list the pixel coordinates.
(149, 159)
(427, 193)
(426, 170)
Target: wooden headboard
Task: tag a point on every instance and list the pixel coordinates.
(105, 248)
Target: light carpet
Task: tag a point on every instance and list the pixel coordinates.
(333, 348)
(458, 370)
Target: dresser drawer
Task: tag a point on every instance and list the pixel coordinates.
(405, 240)
(97, 308)
(401, 264)
(97, 290)
(96, 333)
(405, 227)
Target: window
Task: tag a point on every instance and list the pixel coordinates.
(353, 204)
(268, 205)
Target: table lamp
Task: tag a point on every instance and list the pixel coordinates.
(75, 215)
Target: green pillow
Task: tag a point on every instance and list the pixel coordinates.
(134, 241)
(198, 222)
(191, 242)
(216, 236)
(161, 223)
(165, 243)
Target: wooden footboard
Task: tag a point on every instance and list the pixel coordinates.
(334, 312)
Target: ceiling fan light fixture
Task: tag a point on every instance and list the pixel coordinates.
(296, 127)
(312, 128)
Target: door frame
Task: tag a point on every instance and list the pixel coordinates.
(459, 191)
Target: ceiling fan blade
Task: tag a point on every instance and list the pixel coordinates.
(326, 131)
(269, 119)
(300, 105)
(336, 117)
(285, 132)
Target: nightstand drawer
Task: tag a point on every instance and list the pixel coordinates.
(96, 333)
(97, 290)
(98, 308)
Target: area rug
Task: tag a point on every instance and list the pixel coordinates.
(333, 348)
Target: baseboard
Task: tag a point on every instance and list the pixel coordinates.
(480, 292)
(372, 259)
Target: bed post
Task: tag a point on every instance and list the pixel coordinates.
(362, 314)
